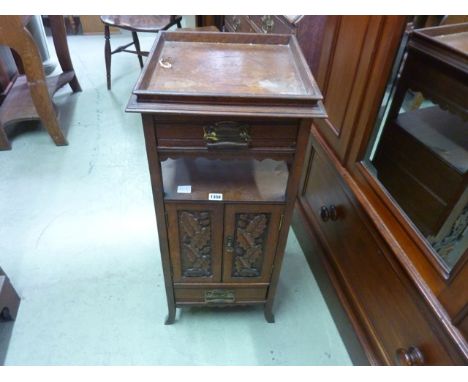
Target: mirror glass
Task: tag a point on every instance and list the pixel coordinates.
(419, 148)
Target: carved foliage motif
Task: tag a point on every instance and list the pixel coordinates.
(250, 236)
(195, 243)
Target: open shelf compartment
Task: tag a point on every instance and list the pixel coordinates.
(238, 180)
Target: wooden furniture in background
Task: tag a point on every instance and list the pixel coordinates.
(9, 300)
(30, 96)
(238, 132)
(92, 24)
(210, 20)
(134, 24)
(422, 159)
(309, 30)
(8, 71)
(391, 303)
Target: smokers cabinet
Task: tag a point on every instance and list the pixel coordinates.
(226, 119)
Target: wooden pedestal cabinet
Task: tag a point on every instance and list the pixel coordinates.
(226, 119)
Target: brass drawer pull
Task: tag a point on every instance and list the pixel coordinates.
(227, 135)
(219, 296)
(410, 357)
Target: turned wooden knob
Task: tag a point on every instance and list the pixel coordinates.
(328, 213)
(324, 213)
(333, 212)
(410, 357)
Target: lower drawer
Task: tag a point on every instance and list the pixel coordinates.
(391, 313)
(219, 294)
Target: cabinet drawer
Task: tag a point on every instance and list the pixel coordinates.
(238, 24)
(219, 294)
(272, 24)
(391, 313)
(191, 133)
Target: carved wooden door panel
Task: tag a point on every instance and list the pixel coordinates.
(195, 241)
(250, 237)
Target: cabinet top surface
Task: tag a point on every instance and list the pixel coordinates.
(453, 37)
(205, 68)
(234, 69)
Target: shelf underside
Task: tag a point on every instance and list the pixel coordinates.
(19, 106)
(245, 180)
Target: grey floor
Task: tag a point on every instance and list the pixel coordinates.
(78, 241)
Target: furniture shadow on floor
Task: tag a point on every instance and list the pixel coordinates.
(227, 312)
(6, 329)
(65, 103)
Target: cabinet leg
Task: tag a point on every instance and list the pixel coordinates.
(269, 316)
(59, 36)
(170, 319)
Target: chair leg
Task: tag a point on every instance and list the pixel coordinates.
(59, 36)
(107, 55)
(137, 47)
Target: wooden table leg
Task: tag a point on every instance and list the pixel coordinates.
(45, 108)
(137, 47)
(107, 55)
(59, 36)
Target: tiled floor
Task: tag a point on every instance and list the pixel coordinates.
(78, 241)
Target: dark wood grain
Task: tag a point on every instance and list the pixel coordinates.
(134, 24)
(388, 240)
(195, 249)
(253, 230)
(354, 253)
(14, 34)
(157, 188)
(308, 29)
(227, 71)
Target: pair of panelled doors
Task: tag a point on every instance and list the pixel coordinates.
(223, 242)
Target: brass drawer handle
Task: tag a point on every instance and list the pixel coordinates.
(329, 213)
(410, 357)
(227, 135)
(220, 296)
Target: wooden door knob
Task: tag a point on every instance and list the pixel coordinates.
(410, 357)
(333, 212)
(324, 213)
(328, 213)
